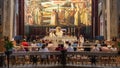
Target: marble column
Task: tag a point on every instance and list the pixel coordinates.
(21, 17)
(114, 19)
(101, 19)
(8, 18)
(16, 11)
(104, 18)
(1, 18)
(95, 26)
(108, 19)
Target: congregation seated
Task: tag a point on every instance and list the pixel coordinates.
(66, 41)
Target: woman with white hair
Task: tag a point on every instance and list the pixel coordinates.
(34, 46)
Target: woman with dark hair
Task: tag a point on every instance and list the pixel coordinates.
(75, 44)
(44, 57)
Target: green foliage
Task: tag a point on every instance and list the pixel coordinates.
(8, 45)
(119, 44)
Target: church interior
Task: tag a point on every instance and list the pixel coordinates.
(60, 33)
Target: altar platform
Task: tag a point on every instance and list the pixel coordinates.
(63, 38)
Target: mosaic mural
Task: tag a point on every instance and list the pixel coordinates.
(58, 12)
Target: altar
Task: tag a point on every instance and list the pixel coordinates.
(57, 36)
(63, 38)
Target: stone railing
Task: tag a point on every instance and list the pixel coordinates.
(62, 58)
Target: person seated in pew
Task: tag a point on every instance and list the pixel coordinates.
(70, 48)
(39, 44)
(75, 45)
(34, 46)
(95, 49)
(25, 45)
(114, 49)
(44, 56)
(20, 49)
(104, 48)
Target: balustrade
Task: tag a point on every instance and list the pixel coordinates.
(61, 59)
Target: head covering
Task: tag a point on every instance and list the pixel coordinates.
(12, 39)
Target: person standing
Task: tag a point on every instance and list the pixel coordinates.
(81, 40)
(59, 32)
(52, 34)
